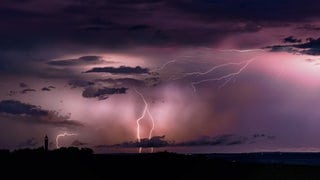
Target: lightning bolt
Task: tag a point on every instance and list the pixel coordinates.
(220, 50)
(198, 73)
(145, 111)
(63, 135)
(218, 66)
(227, 77)
(214, 68)
(170, 62)
(165, 64)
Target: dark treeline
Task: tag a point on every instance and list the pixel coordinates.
(81, 163)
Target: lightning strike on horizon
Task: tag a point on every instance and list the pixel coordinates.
(227, 77)
(153, 125)
(145, 110)
(138, 121)
(62, 135)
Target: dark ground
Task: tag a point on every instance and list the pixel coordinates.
(75, 164)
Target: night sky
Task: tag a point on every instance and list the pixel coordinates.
(189, 76)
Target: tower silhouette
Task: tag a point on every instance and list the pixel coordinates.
(46, 143)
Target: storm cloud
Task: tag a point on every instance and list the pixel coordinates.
(186, 59)
(119, 70)
(102, 93)
(84, 60)
(23, 85)
(291, 39)
(79, 83)
(19, 108)
(28, 113)
(222, 140)
(27, 90)
(155, 141)
(310, 47)
(130, 21)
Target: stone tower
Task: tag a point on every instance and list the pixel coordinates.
(46, 143)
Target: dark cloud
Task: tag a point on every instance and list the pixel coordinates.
(23, 91)
(261, 136)
(280, 48)
(23, 85)
(152, 81)
(257, 10)
(27, 90)
(45, 89)
(80, 83)
(226, 140)
(19, 108)
(291, 39)
(313, 52)
(155, 141)
(102, 93)
(12, 93)
(113, 24)
(223, 140)
(119, 70)
(49, 88)
(102, 88)
(28, 113)
(84, 60)
(309, 27)
(310, 47)
(311, 43)
(122, 81)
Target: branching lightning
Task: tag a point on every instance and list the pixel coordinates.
(184, 75)
(63, 135)
(214, 68)
(145, 111)
(226, 77)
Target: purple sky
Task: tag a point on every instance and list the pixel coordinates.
(216, 75)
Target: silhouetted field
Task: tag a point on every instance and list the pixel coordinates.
(76, 163)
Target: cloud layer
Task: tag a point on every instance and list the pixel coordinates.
(28, 113)
(84, 60)
(102, 93)
(119, 70)
(310, 47)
